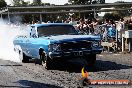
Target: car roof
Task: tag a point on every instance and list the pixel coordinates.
(49, 24)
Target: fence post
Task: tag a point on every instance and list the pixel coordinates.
(117, 42)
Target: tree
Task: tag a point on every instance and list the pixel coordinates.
(80, 2)
(85, 2)
(36, 3)
(20, 3)
(2, 3)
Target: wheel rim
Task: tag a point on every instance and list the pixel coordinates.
(43, 58)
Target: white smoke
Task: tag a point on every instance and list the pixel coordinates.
(7, 33)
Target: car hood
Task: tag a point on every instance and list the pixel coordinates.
(66, 38)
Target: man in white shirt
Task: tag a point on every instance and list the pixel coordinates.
(121, 27)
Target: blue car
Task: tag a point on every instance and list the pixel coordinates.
(56, 41)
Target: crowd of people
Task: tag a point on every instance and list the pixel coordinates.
(107, 29)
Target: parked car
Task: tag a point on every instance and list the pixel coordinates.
(56, 41)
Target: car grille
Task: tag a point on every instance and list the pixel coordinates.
(76, 45)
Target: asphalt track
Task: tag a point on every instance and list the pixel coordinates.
(65, 74)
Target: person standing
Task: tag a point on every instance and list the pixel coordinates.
(121, 27)
(73, 22)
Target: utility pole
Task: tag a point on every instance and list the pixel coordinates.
(8, 15)
(94, 13)
(41, 18)
(1, 16)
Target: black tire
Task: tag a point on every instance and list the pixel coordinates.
(25, 58)
(49, 63)
(91, 59)
(46, 60)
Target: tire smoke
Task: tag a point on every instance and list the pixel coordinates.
(7, 33)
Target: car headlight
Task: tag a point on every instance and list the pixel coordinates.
(54, 47)
(95, 44)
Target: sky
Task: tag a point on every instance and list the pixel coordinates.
(61, 2)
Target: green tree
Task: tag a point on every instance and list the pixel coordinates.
(80, 2)
(24, 18)
(37, 3)
(2, 3)
(20, 3)
(85, 2)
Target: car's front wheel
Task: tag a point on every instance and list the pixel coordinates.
(46, 60)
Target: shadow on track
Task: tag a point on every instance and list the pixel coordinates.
(108, 65)
(3, 86)
(72, 67)
(77, 66)
(99, 66)
(9, 65)
(32, 84)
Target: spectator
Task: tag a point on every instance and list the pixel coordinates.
(111, 30)
(121, 27)
(86, 26)
(73, 22)
(81, 25)
(105, 30)
(130, 21)
(91, 30)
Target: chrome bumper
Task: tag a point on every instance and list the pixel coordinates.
(71, 54)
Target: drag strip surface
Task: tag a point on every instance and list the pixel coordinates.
(29, 75)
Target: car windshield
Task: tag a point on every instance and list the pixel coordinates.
(56, 30)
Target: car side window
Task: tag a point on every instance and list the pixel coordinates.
(33, 32)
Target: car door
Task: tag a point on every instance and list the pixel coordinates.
(31, 42)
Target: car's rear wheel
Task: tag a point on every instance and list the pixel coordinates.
(22, 57)
(25, 58)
